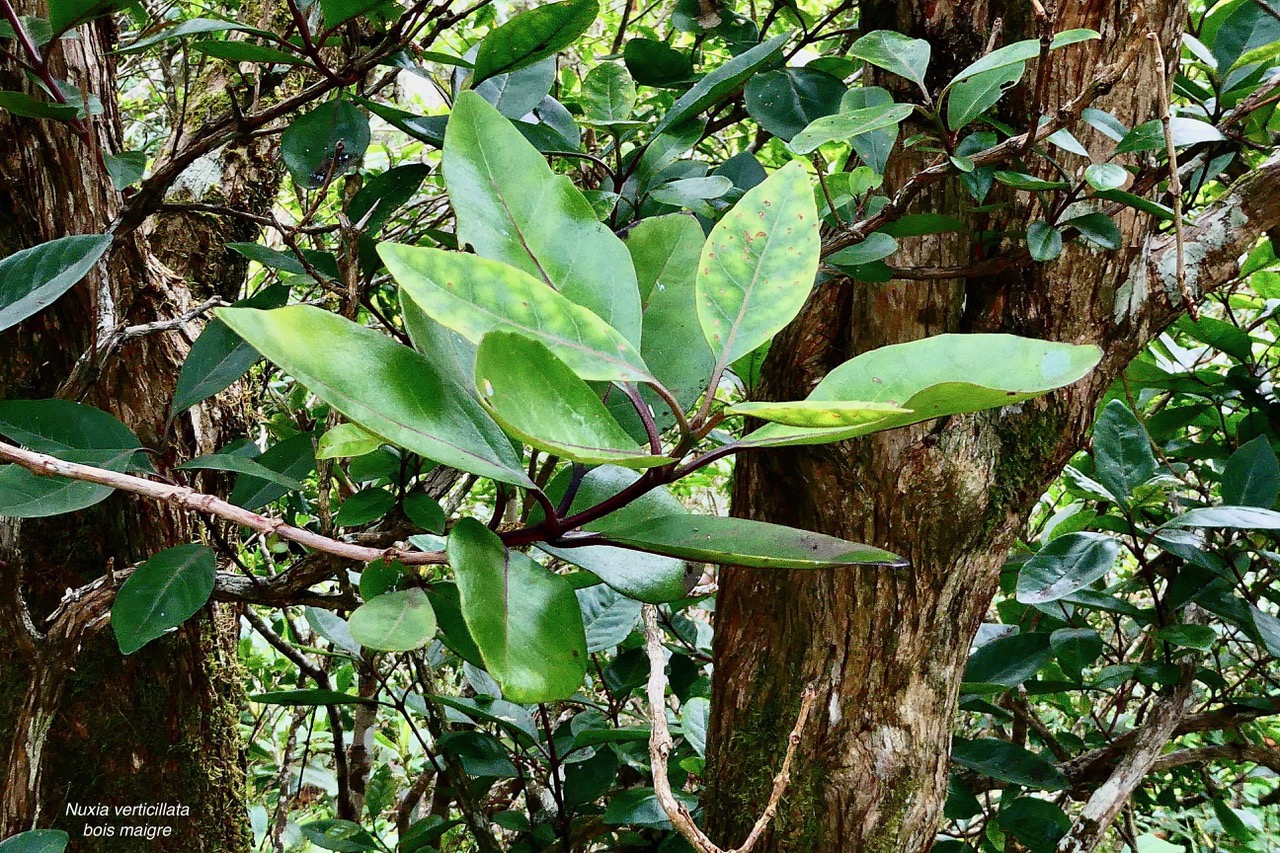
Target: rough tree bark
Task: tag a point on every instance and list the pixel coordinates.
(80, 723)
(887, 649)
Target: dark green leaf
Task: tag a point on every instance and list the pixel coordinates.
(21, 104)
(1252, 475)
(125, 168)
(1068, 563)
(1038, 824)
(294, 457)
(717, 85)
(787, 101)
(309, 698)
(1106, 176)
(243, 51)
(1043, 241)
(36, 841)
(640, 807)
(241, 465)
(1122, 451)
(341, 835)
(324, 143)
(383, 194)
(971, 98)
(609, 94)
(33, 279)
(653, 63)
(425, 511)
(1075, 649)
(1007, 762)
(530, 36)
(875, 247)
(1149, 136)
(896, 53)
(363, 507)
(1231, 517)
(1006, 662)
(1097, 228)
(161, 594)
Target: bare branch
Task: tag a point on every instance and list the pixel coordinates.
(661, 744)
(1175, 184)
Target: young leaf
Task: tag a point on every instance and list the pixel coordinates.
(33, 279)
(896, 53)
(474, 296)
(758, 265)
(538, 399)
(743, 542)
(531, 36)
(161, 594)
(381, 385)
(512, 208)
(1021, 51)
(846, 125)
(346, 440)
(523, 618)
(1068, 563)
(937, 377)
(394, 621)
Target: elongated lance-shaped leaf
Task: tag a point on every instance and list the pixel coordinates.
(720, 83)
(936, 377)
(758, 264)
(32, 279)
(512, 208)
(475, 296)
(161, 594)
(538, 399)
(744, 542)
(383, 386)
(845, 125)
(524, 619)
(818, 413)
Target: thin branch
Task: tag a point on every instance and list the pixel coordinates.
(1175, 183)
(661, 744)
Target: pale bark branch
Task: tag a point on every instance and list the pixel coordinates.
(1238, 753)
(661, 744)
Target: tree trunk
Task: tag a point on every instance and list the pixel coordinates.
(887, 649)
(81, 724)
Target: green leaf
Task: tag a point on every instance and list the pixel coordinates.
(383, 194)
(1043, 241)
(161, 594)
(341, 835)
(1075, 649)
(896, 53)
(646, 577)
(665, 251)
(533, 35)
(33, 279)
(383, 386)
(1106, 176)
(1020, 181)
(609, 94)
(241, 465)
(193, 27)
(1068, 563)
(1137, 202)
(1021, 51)
(1006, 662)
(844, 125)
(394, 621)
(1232, 517)
(744, 542)
(22, 104)
(325, 142)
(758, 265)
(970, 98)
(309, 698)
(1038, 824)
(475, 296)
(875, 247)
(453, 629)
(817, 413)
(1097, 228)
(540, 400)
(125, 168)
(512, 208)
(294, 457)
(718, 84)
(36, 841)
(425, 511)
(65, 14)
(608, 617)
(338, 11)
(1245, 28)
(640, 807)
(787, 101)
(1123, 459)
(219, 357)
(524, 619)
(1007, 762)
(243, 51)
(938, 377)
(516, 94)
(364, 507)
(1188, 636)
(346, 440)
(1149, 136)
(1252, 475)
(654, 63)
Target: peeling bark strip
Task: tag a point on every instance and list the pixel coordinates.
(871, 774)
